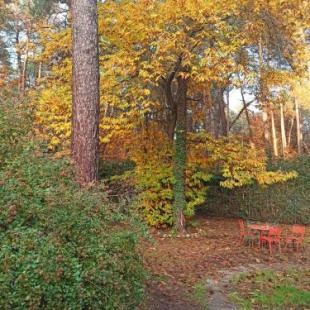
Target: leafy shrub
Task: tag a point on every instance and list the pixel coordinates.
(15, 120)
(282, 202)
(63, 248)
(229, 162)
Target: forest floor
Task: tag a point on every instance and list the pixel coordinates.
(193, 272)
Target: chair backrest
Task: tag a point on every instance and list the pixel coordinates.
(299, 230)
(275, 231)
(241, 225)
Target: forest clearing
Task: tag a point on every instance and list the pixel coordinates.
(197, 271)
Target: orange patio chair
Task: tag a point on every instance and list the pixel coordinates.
(273, 236)
(296, 237)
(244, 234)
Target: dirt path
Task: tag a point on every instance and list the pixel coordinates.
(189, 271)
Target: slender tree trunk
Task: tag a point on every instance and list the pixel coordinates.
(85, 91)
(214, 123)
(215, 120)
(264, 105)
(179, 203)
(266, 132)
(306, 147)
(19, 60)
(222, 112)
(245, 107)
(298, 128)
(24, 69)
(274, 135)
(39, 75)
(290, 132)
(283, 134)
(228, 110)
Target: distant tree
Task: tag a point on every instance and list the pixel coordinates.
(85, 91)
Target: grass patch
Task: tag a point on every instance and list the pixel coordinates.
(200, 295)
(270, 289)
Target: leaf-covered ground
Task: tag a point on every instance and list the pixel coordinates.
(191, 272)
(272, 289)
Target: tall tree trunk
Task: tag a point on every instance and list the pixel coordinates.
(19, 60)
(24, 69)
(179, 203)
(245, 107)
(39, 75)
(222, 112)
(274, 135)
(266, 131)
(263, 103)
(290, 131)
(228, 110)
(214, 123)
(298, 128)
(283, 134)
(85, 91)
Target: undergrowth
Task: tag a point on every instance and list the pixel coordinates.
(62, 247)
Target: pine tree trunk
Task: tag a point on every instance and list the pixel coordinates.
(85, 91)
(283, 134)
(24, 70)
(266, 132)
(298, 128)
(274, 135)
(289, 138)
(19, 60)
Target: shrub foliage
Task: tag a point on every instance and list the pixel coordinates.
(282, 202)
(61, 247)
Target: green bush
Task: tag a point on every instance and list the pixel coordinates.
(61, 247)
(283, 202)
(15, 122)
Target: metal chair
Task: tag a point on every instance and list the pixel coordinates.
(244, 234)
(273, 236)
(296, 237)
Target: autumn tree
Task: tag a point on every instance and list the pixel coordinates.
(85, 91)
(166, 67)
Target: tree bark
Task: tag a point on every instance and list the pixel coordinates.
(179, 203)
(283, 134)
(245, 107)
(19, 60)
(298, 128)
(263, 103)
(290, 132)
(222, 112)
(85, 91)
(24, 69)
(274, 135)
(266, 131)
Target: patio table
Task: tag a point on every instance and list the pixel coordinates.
(261, 229)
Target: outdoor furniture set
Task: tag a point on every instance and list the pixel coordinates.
(271, 234)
